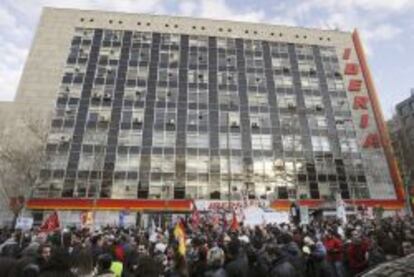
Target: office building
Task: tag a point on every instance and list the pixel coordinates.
(172, 109)
(404, 139)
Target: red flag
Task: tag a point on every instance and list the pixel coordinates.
(234, 223)
(195, 219)
(51, 223)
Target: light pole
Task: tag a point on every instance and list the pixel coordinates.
(407, 179)
(228, 161)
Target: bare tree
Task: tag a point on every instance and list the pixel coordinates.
(22, 155)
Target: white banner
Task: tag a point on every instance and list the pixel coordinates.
(24, 223)
(304, 215)
(216, 205)
(257, 216)
(340, 208)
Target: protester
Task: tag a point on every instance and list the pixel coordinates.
(215, 260)
(357, 253)
(104, 266)
(58, 265)
(237, 260)
(82, 263)
(334, 247)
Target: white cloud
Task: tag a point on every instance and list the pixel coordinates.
(218, 9)
(383, 32)
(6, 18)
(187, 8)
(10, 69)
(367, 5)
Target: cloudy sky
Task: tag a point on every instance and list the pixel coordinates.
(387, 28)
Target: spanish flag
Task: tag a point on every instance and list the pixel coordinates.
(86, 219)
(234, 223)
(179, 234)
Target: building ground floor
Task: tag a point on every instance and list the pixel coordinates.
(139, 212)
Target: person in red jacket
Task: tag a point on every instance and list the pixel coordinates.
(358, 253)
(333, 247)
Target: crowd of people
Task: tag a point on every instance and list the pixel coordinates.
(322, 248)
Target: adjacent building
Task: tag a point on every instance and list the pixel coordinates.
(403, 136)
(150, 112)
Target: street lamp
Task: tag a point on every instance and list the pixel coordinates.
(228, 161)
(407, 182)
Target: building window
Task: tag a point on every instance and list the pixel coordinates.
(230, 119)
(165, 118)
(124, 189)
(254, 60)
(95, 136)
(226, 43)
(229, 98)
(197, 96)
(252, 45)
(57, 161)
(163, 139)
(309, 82)
(283, 81)
(236, 166)
(321, 144)
(261, 141)
(167, 94)
(259, 120)
(233, 139)
(130, 138)
(339, 104)
(348, 144)
(198, 41)
(198, 140)
(280, 63)
(167, 75)
(226, 60)
(197, 164)
(162, 163)
(227, 78)
(314, 103)
(307, 66)
(197, 118)
(292, 143)
(258, 99)
(303, 49)
(169, 58)
(317, 122)
(287, 101)
(93, 160)
(127, 162)
(335, 85)
(256, 80)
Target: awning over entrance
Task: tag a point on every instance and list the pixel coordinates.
(393, 204)
(180, 205)
(176, 205)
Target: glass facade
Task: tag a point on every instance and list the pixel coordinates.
(158, 115)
